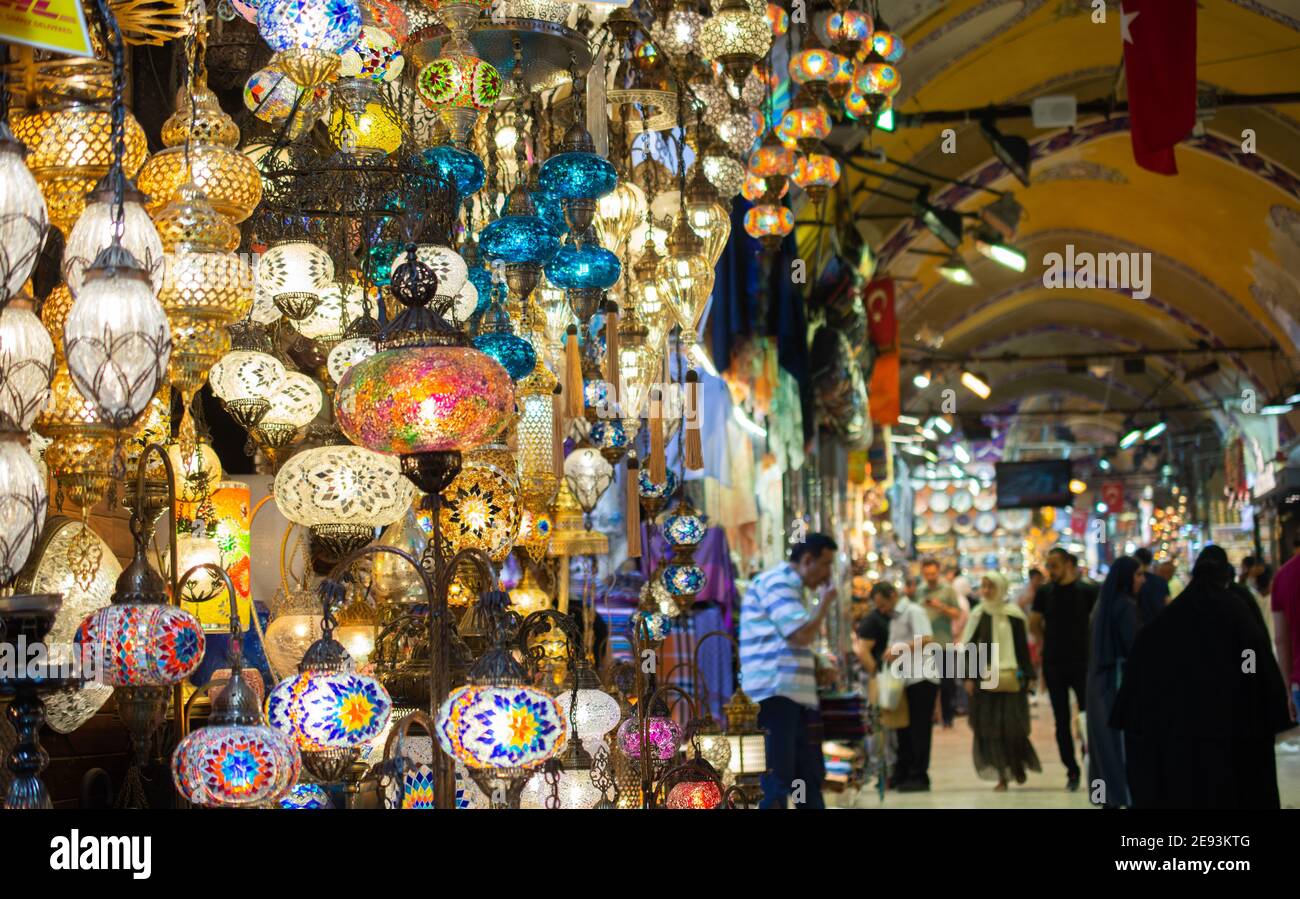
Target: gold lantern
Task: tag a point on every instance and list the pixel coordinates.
(206, 287)
(480, 507)
(535, 395)
(685, 277)
(69, 135)
(228, 178)
(707, 216)
(528, 596)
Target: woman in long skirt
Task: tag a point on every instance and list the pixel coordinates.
(1114, 625)
(999, 708)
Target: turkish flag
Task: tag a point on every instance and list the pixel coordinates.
(882, 322)
(1160, 66)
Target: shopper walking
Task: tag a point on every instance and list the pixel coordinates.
(1284, 599)
(909, 633)
(1154, 595)
(870, 637)
(1060, 620)
(941, 605)
(999, 704)
(1199, 721)
(1114, 626)
(776, 662)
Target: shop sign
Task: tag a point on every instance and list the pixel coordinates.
(1112, 494)
(46, 24)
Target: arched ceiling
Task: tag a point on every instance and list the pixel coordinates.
(1223, 235)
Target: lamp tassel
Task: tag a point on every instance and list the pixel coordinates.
(694, 449)
(557, 434)
(572, 375)
(658, 467)
(612, 351)
(633, 508)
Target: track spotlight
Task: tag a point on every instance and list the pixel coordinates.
(944, 224)
(1011, 150)
(954, 269)
(990, 244)
(976, 384)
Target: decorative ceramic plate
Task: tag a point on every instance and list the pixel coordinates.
(940, 502)
(986, 522)
(1015, 519)
(986, 501)
(962, 501)
(922, 504)
(940, 524)
(964, 525)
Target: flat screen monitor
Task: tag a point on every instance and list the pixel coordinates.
(1030, 485)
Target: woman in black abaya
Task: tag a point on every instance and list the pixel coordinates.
(1201, 701)
(1114, 626)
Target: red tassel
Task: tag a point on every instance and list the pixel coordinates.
(694, 449)
(633, 508)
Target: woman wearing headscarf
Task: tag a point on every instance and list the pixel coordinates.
(999, 705)
(1114, 626)
(1202, 700)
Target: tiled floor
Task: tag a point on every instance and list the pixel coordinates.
(954, 784)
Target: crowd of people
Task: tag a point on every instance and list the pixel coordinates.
(1178, 690)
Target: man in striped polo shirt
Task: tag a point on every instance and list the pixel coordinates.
(776, 668)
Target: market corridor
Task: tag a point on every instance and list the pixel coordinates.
(955, 785)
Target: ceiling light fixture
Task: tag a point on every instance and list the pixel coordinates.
(1010, 149)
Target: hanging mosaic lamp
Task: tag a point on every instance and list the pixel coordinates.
(578, 176)
(878, 80)
(724, 172)
(817, 173)
(664, 735)
(457, 166)
(520, 239)
(362, 123)
(655, 496)
(425, 396)
(536, 397)
(272, 96)
(24, 220)
(737, 37)
(292, 274)
(374, 55)
(769, 223)
(777, 19)
(459, 85)
(206, 138)
(245, 381)
(886, 42)
(481, 508)
(308, 36)
(813, 67)
(806, 122)
(498, 340)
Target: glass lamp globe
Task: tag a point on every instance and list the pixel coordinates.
(373, 131)
(294, 627)
(326, 709)
(875, 75)
(245, 380)
(714, 748)
(306, 796)
(197, 473)
(528, 596)
(94, 232)
(26, 367)
(460, 167)
(295, 404)
(481, 508)
(814, 65)
(737, 37)
(506, 727)
(817, 173)
(588, 267)
(685, 281)
(806, 121)
(24, 221)
(308, 35)
(679, 34)
(425, 399)
(577, 175)
(617, 213)
(551, 210)
(711, 221)
(588, 476)
(342, 493)
(887, 43)
(683, 528)
(23, 500)
(144, 644)
(694, 794)
(778, 19)
(756, 189)
(664, 737)
(336, 310)
(574, 790)
(192, 550)
(594, 714)
(772, 158)
(240, 764)
(769, 223)
(738, 129)
(293, 274)
(374, 55)
(271, 95)
(116, 339)
(724, 173)
(851, 26)
(515, 354)
(347, 353)
(450, 269)
(459, 85)
(684, 581)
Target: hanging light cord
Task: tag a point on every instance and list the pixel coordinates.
(117, 113)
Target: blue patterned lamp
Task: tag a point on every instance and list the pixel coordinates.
(309, 35)
(459, 167)
(498, 340)
(551, 210)
(578, 177)
(684, 529)
(520, 239)
(585, 270)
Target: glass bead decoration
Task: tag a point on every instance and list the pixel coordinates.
(500, 727)
(326, 25)
(430, 399)
(144, 645)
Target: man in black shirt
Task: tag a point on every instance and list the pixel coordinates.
(1059, 619)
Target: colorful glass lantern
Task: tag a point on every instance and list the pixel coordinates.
(459, 167)
(24, 221)
(294, 405)
(694, 794)
(424, 399)
(347, 353)
(366, 129)
(520, 236)
(309, 35)
(481, 509)
(707, 216)
(663, 733)
(887, 43)
(245, 381)
(343, 494)
(684, 528)
(852, 26)
(772, 159)
(389, 16)
(806, 122)
(306, 796)
(270, 95)
(875, 75)
(769, 223)
(535, 530)
(814, 66)
(817, 173)
(856, 105)
(594, 714)
(459, 85)
(777, 19)
(585, 266)
(578, 177)
(329, 710)
(515, 354)
(236, 761)
(144, 644)
(756, 189)
(738, 129)
(724, 173)
(654, 497)
(684, 581)
(678, 34)
(535, 395)
(374, 55)
(293, 273)
(487, 727)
